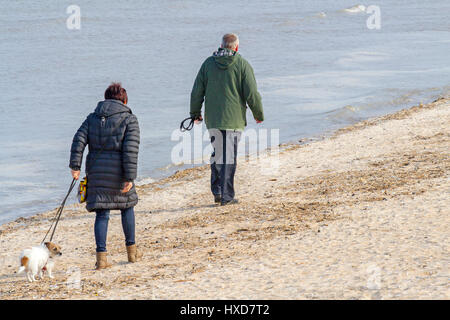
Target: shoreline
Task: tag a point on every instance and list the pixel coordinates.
(288, 144)
(374, 177)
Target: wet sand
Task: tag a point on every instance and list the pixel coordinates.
(363, 214)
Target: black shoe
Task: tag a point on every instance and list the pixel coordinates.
(224, 203)
(217, 198)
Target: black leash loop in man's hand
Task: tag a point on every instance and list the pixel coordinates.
(189, 127)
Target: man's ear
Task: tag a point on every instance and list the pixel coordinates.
(237, 47)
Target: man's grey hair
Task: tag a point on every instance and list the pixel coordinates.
(230, 41)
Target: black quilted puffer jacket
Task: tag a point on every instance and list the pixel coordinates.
(115, 129)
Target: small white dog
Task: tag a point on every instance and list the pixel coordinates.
(39, 259)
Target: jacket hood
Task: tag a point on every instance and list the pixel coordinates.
(109, 107)
(225, 58)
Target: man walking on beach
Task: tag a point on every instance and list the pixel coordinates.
(227, 84)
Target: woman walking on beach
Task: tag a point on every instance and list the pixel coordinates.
(112, 133)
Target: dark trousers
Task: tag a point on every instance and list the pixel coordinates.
(223, 162)
(101, 227)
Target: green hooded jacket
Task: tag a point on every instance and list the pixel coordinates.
(227, 84)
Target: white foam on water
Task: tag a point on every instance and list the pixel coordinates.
(356, 9)
(361, 57)
(144, 181)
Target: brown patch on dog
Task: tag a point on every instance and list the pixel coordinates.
(24, 261)
(53, 248)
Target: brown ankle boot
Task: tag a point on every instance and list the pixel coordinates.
(133, 253)
(102, 262)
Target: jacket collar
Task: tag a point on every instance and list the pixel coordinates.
(109, 107)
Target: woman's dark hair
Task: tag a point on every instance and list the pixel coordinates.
(115, 91)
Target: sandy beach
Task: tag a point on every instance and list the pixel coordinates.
(362, 214)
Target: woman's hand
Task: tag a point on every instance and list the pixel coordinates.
(75, 174)
(127, 187)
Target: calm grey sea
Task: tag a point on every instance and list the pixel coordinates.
(318, 68)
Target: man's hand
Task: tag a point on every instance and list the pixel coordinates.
(127, 187)
(75, 174)
(199, 120)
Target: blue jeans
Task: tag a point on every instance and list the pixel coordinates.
(223, 162)
(101, 227)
